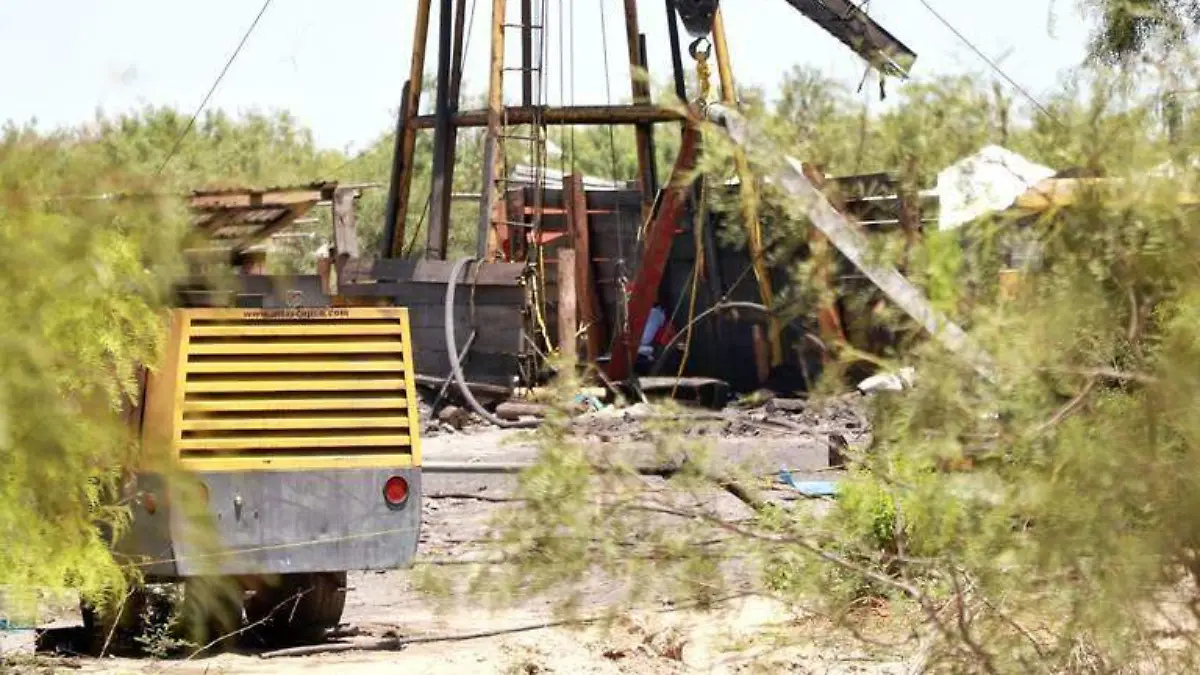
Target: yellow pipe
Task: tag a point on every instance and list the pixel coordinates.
(749, 199)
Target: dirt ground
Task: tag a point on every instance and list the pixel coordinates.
(661, 637)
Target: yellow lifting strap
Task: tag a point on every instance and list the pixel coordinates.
(699, 51)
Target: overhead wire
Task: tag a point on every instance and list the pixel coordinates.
(622, 297)
(217, 82)
(991, 63)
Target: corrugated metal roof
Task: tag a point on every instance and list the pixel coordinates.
(242, 217)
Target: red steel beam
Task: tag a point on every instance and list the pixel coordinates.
(659, 235)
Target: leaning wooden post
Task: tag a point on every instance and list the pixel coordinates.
(407, 128)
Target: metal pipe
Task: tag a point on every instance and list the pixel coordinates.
(408, 140)
(853, 244)
(491, 145)
(437, 234)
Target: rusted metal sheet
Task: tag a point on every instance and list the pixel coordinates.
(848, 23)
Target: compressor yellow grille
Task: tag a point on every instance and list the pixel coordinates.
(295, 388)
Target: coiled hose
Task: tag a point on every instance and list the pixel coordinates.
(456, 363)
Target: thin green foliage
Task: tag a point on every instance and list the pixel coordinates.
(82, 281)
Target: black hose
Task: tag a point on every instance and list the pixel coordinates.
(456, 363)
(721, 306)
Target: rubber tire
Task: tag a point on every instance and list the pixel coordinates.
(114, 629)
(281, 618)
(210, 609)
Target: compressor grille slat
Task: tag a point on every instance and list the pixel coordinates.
(261, 385)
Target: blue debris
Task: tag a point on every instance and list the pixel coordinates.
(592, 403)
(808, 488)
(8, 627)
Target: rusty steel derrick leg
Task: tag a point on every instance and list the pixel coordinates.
(659, 235)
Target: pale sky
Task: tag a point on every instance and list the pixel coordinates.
(339, 67)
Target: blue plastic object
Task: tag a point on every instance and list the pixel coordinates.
(808, 488)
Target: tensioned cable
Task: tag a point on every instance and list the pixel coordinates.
(986, 59)
(622, 300)
(232, 57)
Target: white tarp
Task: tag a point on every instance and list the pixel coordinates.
(985, 182)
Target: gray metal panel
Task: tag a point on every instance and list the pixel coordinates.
(275, 522)
(279, 292)
(147, 542)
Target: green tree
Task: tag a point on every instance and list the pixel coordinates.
(1041, 518)
(82, 283)
(1129, 28)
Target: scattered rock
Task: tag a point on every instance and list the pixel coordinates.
(454, 417)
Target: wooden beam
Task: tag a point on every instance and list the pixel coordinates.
(829, 319)
(575, 200)
(641, 96)
(491, 145)
(527, 52)
(518, 244)
(280, 223)
(563, 115)
(345, 228)
(253, 199)
(408, 130)
(567, 311)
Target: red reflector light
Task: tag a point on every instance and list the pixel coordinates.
(395, 491)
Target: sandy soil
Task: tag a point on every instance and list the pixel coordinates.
(659, 638)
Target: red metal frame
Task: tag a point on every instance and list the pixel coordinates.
(643, 292)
